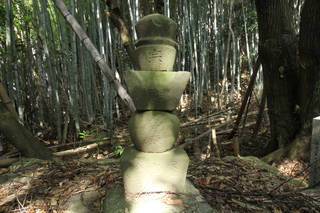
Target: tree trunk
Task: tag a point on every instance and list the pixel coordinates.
(309, 62)
(20, 137)
(277, 51)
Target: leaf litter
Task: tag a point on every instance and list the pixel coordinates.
(229, 185)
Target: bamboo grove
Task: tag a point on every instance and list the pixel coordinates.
(56, 85)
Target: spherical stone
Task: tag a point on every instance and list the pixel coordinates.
(156, 90)
(154, 172)
(156, 57)
(154, 131)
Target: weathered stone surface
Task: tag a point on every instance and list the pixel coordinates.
(156, 57)
(154, 131)
(192, 202)
(114, 201)
(156, 25)
(156, 40)
(156, 90)
(80, 203)
(315, 152)
(153, 172)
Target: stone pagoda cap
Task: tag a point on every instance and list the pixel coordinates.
(156, 25)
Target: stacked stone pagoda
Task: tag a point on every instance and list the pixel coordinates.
(154, 170)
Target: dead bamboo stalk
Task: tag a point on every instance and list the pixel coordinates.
(260, 115)
(246, 98)
(98, 58)
(215, 143)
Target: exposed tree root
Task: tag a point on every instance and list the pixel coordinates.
(297, 149)
(7, 162)
(275, 156)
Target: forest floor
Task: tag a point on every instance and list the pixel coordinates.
(229, 184)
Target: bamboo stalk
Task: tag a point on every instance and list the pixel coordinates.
(98, 58)
(215, 143)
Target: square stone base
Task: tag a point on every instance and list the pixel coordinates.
(189, 202)
(152, 173)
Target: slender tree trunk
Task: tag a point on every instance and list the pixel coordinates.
(277, 52)
(246, 37)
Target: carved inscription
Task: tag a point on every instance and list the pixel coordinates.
(155, 55)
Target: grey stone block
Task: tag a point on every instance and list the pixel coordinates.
(154, 172)
(114, 201)
(154, 131)
(156, 90)
(80, 203)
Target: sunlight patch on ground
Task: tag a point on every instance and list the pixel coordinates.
(294, 168)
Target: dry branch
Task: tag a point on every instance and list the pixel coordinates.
(192, 140)
(204, 118)
(79, 150)
(80, 143)
(246, 98)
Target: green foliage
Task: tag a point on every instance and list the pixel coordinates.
(250, 17)
(118, 150)
(253, 54)
(2, 20)
(2, 33)
(252, 20)
(85, 133)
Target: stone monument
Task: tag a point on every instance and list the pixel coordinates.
(154, 170)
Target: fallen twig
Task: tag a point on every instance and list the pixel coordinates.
(79, 150)
(191, 140)
(86, 142)
(194, 122)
